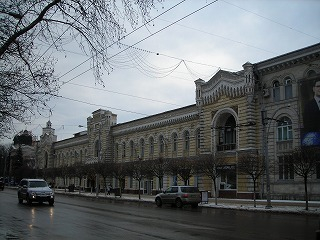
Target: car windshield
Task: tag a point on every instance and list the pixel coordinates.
(36, 184)
(189, 189)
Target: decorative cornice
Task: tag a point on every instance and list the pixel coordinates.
(160, 120)
(289, 60)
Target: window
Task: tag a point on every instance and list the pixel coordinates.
(276, 91)
(175, 142)
(124, 149)
(142, 148)
(117, 150)
(131, 148)
(227, 135)
(186, 140)
(284, 129)
(285, 168)
(230, 131)
(311, 73)
(151, 145)
(161, 144)
(198, 144)
(288, 88)
(96, 148)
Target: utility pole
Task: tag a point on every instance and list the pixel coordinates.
(265, 153)
(99, 160)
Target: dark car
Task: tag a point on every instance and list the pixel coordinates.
(179, 196)
(2, 183)
(35, 190)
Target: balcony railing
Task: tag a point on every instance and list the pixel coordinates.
(283, 146)
(226, 147)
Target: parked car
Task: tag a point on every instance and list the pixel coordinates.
(1, 183)
(179, 196)
(35, 190)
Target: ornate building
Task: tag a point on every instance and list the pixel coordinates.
(255, 110)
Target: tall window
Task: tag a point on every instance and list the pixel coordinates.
(142, 148)
(198, 144)
(284, 129)
(288, 88)
(151, 145)
(175, 142)
(131, 148)
(161, 144)
(186, 140)
(124, 149)
(285, 168)
(230, 131)
(96, 148)
(117, 150)
(276, 91)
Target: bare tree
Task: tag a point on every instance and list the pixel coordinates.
(138, 170)
(305, 161)
(63, 172)
(158, 167)
(79, 172)
(105, 170)
(251, 165)
(208, 165)
(32, 31)
(120, 171)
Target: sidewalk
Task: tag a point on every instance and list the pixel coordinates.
(278, 206)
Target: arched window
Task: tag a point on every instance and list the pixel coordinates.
(227, 135)
(131, 148)
(186, 140)
(284, 129)
(311, 73)
(151, 145)
(46, 160)
(117, 150)
(175, 142)
(161, 144)
(96, 148)
(230, 131)
(276, 91)
(288, 88)
(142, 148)
(124, 149)
(198, 143)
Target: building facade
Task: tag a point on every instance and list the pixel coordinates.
(258, 109)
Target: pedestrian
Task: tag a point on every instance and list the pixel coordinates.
(109, 189)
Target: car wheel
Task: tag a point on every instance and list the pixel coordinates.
(51, 202)
(194, 205)
(29, 201)
(179, 203)
(20, 200)
(158, 202)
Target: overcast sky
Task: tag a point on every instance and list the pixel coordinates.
(158, 73)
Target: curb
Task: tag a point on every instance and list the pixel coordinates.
(277, 210)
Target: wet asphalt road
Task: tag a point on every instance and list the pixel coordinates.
(80, 218)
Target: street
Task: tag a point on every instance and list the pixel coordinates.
(81, 218)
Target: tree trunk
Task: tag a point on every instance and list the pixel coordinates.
(306, 192)
(139, 182)
(215, 192)
(254, 193)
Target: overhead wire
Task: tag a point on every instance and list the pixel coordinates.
(269, 19)
(145, 38)
(145, 24)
